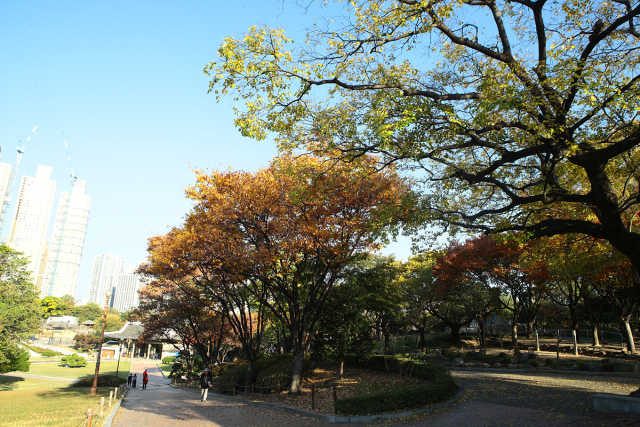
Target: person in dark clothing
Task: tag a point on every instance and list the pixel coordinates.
(205, 384)
(145, 379)
(129, 379)
(134, 380)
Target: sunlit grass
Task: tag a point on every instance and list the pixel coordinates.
(44, 407)
(58, 371)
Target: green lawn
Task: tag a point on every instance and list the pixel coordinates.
(58, 371)
(44, 407)
(166, 368)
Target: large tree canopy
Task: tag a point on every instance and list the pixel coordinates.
(19, 310)
(518, 115)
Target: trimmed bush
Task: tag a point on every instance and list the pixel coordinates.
(438, 388)
(74, 361)
(49, 353)
(167, 360)
(103, 381)
(234, 375)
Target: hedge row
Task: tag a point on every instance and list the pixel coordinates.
(40, 350)
(439, 387)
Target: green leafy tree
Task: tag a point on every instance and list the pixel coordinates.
(91, 311)
(51, 307)
(66, 304)
(113, 323)
(527, 122)
(343, 329)
(19, 310)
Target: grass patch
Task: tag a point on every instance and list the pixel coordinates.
(61, 406)
(58, 371)
(165, 368)
(11, 383)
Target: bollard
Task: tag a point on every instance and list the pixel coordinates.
(313, 397)
(115, 390)
(101, 406)
(335, 401)
(110, 398)
(234, 390)
(89, 415)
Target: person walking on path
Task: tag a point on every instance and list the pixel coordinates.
(134, 380)
(205, 384)
(129, 379)
(145, 379)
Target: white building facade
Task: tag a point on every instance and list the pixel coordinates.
(67, 242)
(126, 293)
(31, 220)
(104, 274)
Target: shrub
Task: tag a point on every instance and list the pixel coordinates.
(49, 353)
(74, 361)
(607, 367)
(234, 375)
(103, 381)
(549, 362)
(167, 360)
(534, 363)
(439, 387)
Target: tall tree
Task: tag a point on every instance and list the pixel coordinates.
(285, 233)
(528, 122)
(19, 310)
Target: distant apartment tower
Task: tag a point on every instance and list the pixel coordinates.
(5, 176)
(31, 220)
(67, 242)
(106, 269)
(126, 293)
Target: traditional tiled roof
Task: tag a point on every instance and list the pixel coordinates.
(130, 331)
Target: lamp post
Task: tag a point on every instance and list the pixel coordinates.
(94, 389)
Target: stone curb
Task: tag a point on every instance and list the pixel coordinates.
(114, 411)
(162, 372)
(337, 419)
(614, 403)
(535, 371)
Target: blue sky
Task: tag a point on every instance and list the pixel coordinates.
(123, 80)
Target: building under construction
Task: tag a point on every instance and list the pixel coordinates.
(54, 262)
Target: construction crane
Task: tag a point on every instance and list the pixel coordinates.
(65, 211)
(12, 180)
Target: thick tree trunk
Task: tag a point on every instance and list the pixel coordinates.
(386, 340)
(455, 333)
(631, 346)
(529, 330)
(596, 340)
(514, 334)
(297, 371)
(423, 344)
(248, 380)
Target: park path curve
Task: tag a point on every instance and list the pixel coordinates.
(161, 405)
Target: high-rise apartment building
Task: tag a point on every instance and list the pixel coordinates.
(31, 220)
(126, 293)
(5, 176)
(104, 273)
(67, 242)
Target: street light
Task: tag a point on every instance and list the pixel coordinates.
(94, 389)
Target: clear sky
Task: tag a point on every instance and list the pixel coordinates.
(123, 80)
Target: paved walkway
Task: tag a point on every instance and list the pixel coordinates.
(531, 400)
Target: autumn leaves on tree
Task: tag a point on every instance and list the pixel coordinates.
(277, 240)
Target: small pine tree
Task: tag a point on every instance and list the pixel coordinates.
(74, 361)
